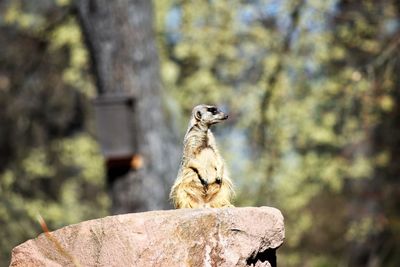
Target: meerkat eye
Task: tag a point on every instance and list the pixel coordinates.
(213, 110)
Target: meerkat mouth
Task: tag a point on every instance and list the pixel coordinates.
(221, 117)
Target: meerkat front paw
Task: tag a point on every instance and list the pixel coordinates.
(201, 175)
(203, 181)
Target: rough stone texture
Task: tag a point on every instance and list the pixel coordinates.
(188, 237)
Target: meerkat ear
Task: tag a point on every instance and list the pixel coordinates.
(197, 115)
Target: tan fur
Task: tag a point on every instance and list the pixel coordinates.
(203, 180)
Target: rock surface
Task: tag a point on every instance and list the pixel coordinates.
(188, 237)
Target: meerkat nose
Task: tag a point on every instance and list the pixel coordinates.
(226, 116)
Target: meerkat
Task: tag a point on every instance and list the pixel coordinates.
(203, 180)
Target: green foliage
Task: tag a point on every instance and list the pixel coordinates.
(308, 85)
(50, 163)
(36, 187)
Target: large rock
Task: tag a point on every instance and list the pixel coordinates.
(187, 237)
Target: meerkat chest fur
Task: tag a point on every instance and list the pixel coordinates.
(200, 145)
(198, 142)
(208, 158)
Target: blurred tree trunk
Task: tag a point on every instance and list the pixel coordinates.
(120, 38)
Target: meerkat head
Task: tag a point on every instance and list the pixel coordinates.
(208, 115)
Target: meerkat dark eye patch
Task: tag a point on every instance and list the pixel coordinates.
(213, 110)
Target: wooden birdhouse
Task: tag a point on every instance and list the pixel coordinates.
(115, 126)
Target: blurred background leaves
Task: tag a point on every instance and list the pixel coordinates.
(312, 88)
(49, 162)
